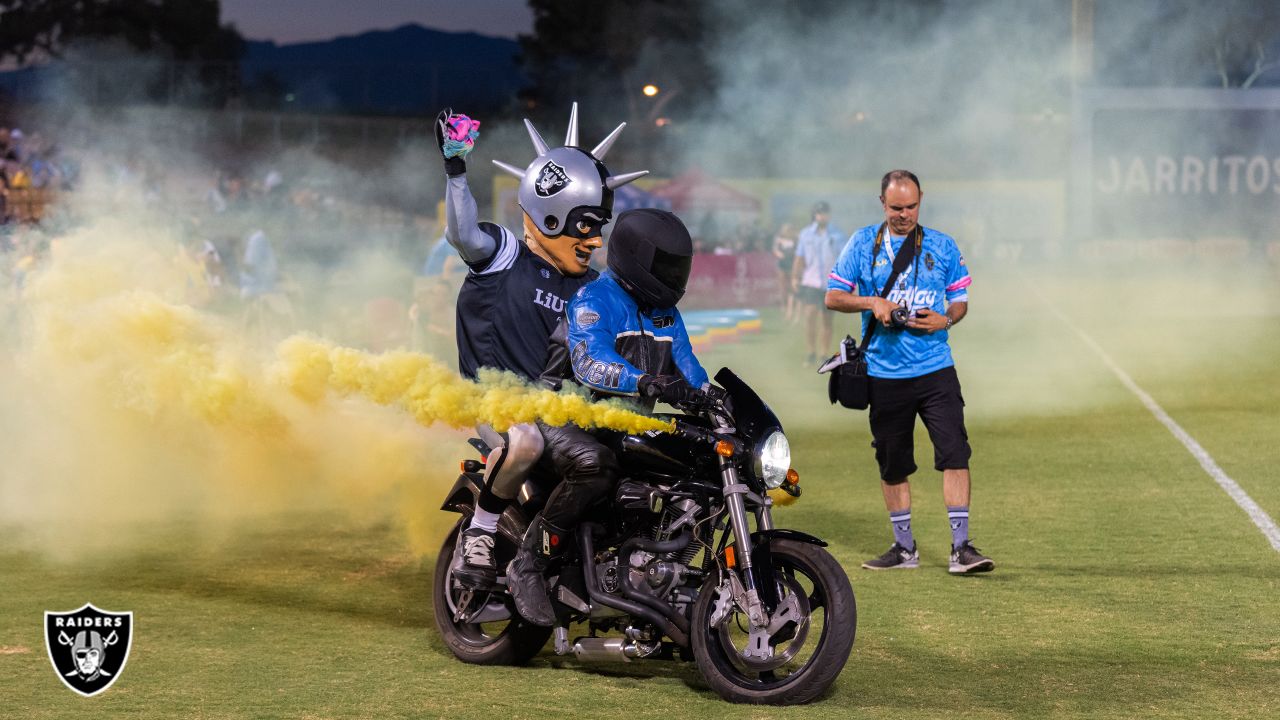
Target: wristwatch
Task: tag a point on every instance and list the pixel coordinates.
(950, 322)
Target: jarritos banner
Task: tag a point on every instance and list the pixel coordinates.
(732, 281)
(1180, 164)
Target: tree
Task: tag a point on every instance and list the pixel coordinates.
(1238, 42)
(1187, 42)
(186, 34)
(605, 51)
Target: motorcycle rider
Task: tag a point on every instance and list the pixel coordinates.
(515, 291)
(624, 337)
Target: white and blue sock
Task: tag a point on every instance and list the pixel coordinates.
(901, 522)
(959, 517)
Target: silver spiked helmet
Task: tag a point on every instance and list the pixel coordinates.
(563, 178)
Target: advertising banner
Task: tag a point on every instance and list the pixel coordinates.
(1178, 164)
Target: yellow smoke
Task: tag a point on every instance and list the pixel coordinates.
(127, 408)
(432, 392)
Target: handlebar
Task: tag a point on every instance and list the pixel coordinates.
(713, 399)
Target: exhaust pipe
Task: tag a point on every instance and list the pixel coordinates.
(589, 648)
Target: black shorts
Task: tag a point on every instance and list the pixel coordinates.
(812, 296)
(937, 400)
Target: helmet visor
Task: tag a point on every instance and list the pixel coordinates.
(671, 270)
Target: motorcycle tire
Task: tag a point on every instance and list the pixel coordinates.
(512, 642)
(818, 581)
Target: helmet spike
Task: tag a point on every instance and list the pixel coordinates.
(603, 148)
(571, 138)
(539, 144)
(613, 182)
(510, 168)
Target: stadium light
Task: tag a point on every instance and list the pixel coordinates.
(650, 90)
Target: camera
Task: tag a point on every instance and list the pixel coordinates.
(899, 317)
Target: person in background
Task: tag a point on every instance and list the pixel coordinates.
(784, 250)
(816, 251)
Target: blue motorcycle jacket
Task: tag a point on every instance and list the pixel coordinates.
(613, 342)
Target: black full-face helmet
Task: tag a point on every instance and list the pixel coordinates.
(650, 255)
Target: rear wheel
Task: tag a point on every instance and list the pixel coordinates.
(480, 626)
(806, 646)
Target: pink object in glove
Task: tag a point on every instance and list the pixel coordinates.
(460, 127)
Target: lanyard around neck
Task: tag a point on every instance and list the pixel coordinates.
(918, 234)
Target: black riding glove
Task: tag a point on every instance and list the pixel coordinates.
(453, 166)
(670, 389)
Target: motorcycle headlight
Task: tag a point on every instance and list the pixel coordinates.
(773, 459)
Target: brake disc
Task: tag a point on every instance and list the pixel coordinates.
(760, 653)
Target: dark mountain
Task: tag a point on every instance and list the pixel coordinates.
(411, 70)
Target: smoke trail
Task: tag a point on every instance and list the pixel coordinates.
(432, 392)
(126, 408)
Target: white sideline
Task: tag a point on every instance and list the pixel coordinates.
(1259, 516)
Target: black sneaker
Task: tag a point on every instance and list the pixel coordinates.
(473, 564)
(897, 558)
(966, 560)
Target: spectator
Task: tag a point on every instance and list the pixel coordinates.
(817, 248)
(258, 270)
(784, 250)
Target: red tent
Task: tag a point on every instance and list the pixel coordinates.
(694, 191)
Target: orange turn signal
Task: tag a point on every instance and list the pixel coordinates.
(729, 559)
(724, 448)
(793, 477)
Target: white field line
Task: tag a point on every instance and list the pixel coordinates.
(1259, 516)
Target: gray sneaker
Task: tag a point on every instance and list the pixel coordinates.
(966, 560)
(897, 558)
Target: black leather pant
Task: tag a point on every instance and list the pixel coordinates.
(586, 468)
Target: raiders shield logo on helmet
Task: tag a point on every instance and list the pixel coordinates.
(88, 647)
(551, 179)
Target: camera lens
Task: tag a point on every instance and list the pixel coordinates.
(898, 317)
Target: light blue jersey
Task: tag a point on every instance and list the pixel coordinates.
(936, 278)
(819, 248)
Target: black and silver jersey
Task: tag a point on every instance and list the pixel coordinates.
(508, 307)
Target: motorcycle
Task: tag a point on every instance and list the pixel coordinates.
(671, 563)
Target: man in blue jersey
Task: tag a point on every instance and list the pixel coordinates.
(910, 363)
(515, 291)
(625, 337)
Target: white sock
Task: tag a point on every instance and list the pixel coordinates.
(485, 520)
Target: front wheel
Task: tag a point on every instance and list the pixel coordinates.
(489, 632)
(804, 648)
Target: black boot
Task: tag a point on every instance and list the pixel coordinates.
(526, 577)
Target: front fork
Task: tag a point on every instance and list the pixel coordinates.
(756, 568)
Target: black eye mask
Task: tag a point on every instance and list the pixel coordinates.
(586, 222)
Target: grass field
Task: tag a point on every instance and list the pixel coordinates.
(1128, 583)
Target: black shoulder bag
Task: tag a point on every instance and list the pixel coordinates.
(849, 383)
